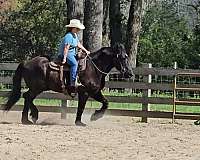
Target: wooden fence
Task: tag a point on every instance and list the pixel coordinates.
(145, 86)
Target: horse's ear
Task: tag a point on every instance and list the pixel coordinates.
(118, 47)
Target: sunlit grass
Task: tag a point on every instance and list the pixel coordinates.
(125, 106)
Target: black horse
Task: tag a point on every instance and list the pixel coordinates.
(39, 77)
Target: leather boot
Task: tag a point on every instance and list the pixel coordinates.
(72, 90)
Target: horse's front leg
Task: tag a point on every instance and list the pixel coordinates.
(82, 99)
(99, 113)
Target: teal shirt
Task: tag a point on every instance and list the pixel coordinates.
(69, 39)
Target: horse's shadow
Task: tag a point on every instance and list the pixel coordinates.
(3, 122)
(42, 123)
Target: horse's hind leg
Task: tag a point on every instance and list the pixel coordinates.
(34, 112)
(27, 101)
(33, 108)
(28, 104)
(99, 113)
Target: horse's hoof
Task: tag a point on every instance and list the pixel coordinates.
(34, 120)
(197, 122)
(96, 115)
(79, 123)
(27, 122)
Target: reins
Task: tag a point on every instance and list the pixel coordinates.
(96, 66)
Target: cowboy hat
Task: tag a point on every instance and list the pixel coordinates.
(76, 24)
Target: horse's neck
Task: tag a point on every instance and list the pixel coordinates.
(103, 62)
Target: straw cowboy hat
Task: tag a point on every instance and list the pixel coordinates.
(76, 24)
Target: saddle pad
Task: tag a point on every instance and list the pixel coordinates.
(56, 67)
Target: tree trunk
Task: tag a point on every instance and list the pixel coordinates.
(106, 19)
(93, 20)
(133, 29)
(75, 11)
(125, 7)
(106, 6)
(115, 22)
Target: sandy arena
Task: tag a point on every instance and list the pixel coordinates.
(118, 138)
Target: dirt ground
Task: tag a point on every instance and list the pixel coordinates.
(118, 138)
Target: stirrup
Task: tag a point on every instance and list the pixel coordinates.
(73, 94)
(72, 91)
(77, 84)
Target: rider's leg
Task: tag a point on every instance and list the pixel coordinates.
(71, 60)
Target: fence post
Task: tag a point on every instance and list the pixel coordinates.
(64, 104)
(174, 94)
(146, 93)
(107, 80)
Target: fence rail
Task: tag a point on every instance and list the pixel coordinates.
(146, 87)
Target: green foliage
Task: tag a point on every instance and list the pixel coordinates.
(194, 49)
(33, 29)
(163, 37)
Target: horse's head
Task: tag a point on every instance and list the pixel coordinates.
(121, 61)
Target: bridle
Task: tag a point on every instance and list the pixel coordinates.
(105, 73)
(121, 66)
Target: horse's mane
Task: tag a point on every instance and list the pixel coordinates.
(100, 52)
(46, 56)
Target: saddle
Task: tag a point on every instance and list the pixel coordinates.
(58, 66)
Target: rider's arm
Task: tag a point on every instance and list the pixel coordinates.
(83, 48)
(66, 49)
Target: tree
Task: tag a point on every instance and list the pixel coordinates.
(196, 6)
(115, 22)
(164, 37)
(194, 48)
(33, 29)
(106, 20)
(93, 20)
(7, 5)
(133, 29)
(75, 9)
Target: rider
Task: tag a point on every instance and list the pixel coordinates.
(68, 50)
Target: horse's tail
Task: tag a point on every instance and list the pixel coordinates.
(16, 90)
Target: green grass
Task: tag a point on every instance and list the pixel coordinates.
(42, 102)
(129, 106)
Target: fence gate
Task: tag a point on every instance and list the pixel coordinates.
(176, 99)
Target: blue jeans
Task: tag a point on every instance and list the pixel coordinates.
(71, 60)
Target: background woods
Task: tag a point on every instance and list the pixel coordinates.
(157, 32)
(75, 10)
(93, 21)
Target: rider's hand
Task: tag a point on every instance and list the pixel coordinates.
(64, 61)
(88, 52)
